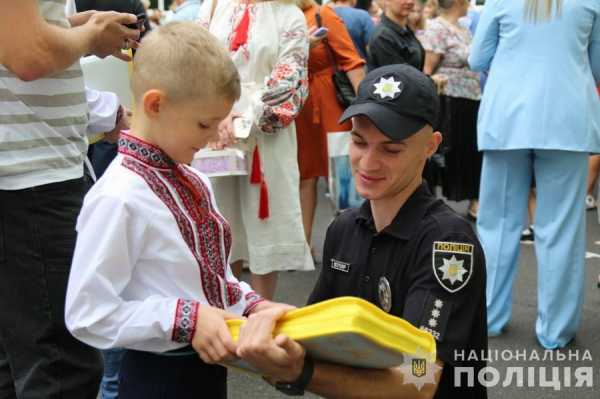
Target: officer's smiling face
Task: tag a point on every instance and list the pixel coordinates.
(384, 168)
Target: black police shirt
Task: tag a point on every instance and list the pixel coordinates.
(434, 266)
(391, 44)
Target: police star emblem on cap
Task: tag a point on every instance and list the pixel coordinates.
(388, 87)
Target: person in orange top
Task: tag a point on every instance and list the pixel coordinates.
(322, 111)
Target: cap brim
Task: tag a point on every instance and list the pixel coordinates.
(390, 123)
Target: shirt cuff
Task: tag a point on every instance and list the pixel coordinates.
(252, 299)
(185, 321)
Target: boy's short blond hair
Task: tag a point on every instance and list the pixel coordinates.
(186, 62)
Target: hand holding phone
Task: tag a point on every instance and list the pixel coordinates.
(321, 31)
(241, 127)
(141, 19)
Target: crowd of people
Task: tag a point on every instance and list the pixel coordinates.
(126, 283)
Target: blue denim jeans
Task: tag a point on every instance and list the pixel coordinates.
(110, 380)
(39, 358)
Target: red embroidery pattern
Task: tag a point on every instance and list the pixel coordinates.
(236, 17)
(285, 92)
(252, 299)
(206, 233)
(295, 35)
(185, 321)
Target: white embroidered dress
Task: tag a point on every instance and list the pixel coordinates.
(273, 69)
(151, 248)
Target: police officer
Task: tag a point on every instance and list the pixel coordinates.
(402, 250)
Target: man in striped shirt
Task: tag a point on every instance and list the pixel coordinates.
(43, 118)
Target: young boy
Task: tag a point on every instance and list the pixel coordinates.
(150, 270)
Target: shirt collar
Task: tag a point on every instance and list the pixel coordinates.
(408, 217)
(394, 26)
(144, 152)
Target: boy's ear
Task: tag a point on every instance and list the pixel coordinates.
(152, 101)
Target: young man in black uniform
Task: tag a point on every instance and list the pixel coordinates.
(402, 250)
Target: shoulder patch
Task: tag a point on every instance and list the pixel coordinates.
(435, 315)
(452, 264)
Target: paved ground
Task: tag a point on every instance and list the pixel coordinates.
(294, 287)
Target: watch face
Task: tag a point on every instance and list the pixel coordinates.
(289, 389)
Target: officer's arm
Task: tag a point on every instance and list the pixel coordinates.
(282, 359)
(334, 381)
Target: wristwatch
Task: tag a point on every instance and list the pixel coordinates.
(297, 387)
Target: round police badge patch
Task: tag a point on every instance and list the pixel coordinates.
(452, 264)
(388, 88)
(385, 294)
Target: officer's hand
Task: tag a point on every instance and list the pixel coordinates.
(281, 358)
(212, 339)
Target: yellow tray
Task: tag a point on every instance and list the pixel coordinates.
(348, 331)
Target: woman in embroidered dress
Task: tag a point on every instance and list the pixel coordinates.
(447, 46)
(322, 111)
(268, 43)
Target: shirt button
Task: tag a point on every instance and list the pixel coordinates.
(367, 279)
(373, 250)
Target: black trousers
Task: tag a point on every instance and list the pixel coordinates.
(145, 375)
(39, 358)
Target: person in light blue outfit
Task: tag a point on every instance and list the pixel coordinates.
(540, 115)
(187, 10)
(471, 20)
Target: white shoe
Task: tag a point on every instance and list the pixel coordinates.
(590, 203)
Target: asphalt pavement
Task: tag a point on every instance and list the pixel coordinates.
(522, 368)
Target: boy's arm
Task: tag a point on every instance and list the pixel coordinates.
(32, 48)
(111, 236)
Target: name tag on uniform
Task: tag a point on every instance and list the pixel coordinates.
(341, 266)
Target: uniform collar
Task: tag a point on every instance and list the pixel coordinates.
(144, 152)
(407, 219)
(394, 26)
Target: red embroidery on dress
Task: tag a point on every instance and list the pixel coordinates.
(295, 35)
(285, 92)
(234, 21)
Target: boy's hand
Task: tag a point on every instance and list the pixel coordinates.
(269, 305)
(281, 357)
(212, 339)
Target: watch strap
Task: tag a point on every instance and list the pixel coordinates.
(297, 387)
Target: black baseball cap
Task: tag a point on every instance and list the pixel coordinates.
(399, 99)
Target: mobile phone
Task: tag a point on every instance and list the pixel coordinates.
(141, 18)
(242, 127)
(321, 31)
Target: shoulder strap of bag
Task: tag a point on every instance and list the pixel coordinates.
(334, 62)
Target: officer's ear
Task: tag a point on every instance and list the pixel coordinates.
(433, 143)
